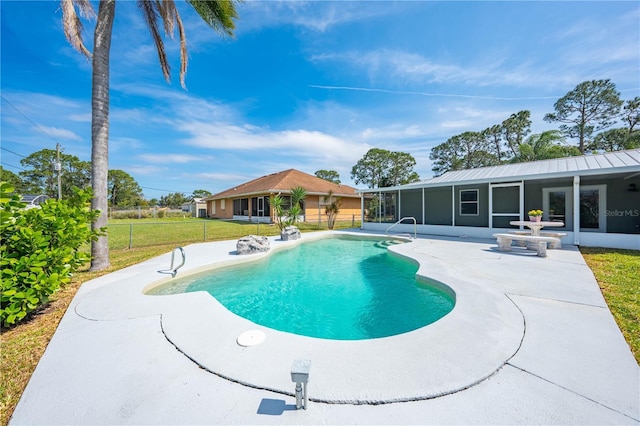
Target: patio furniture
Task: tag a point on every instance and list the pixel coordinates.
(539, 243)
(535, 226)
(557, 235)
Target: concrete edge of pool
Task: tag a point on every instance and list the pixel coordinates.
(425, 363)
(116, 365)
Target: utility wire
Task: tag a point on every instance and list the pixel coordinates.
(20, 168)
(28, 119)
(11, 165)
(157, 189)
(8, 150)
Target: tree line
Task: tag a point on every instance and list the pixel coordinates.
(41, 177)
(585, 114)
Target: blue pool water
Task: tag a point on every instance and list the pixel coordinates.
(333, 288)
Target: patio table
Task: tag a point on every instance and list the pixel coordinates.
(535, 226)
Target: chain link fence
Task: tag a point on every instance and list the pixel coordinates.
(145, 233)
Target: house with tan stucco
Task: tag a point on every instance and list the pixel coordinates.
(250, 200)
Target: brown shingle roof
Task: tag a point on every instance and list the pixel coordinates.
(283, 182)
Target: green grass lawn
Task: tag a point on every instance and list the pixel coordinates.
(21, 347)
(126, 233)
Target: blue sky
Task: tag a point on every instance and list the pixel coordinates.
(305, 85)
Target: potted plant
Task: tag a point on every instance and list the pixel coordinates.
(535, 215)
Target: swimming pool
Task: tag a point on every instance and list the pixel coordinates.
(341, 288)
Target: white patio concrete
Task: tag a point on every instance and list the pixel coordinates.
(530, 341)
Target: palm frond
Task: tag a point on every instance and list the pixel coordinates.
(150, 12)
(168, 12)
(184, 59)
(218, 14)
(72, 25)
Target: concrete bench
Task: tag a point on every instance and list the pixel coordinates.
(504, 242)
(552, 234)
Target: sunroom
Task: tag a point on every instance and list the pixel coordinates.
(596, 197)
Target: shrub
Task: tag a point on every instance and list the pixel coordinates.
(288, 216)
(39, 249)
(131, 214)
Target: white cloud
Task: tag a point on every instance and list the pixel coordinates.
(58, 133)
(225, 136)
(81, 117)
(313, 15)
(394, 131)
(457, 124)
(173, 158)
(225, 177)
(145, 170)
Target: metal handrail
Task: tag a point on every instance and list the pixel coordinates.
(173, 271)
(415, 226)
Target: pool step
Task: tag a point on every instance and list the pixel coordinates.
(386, 243)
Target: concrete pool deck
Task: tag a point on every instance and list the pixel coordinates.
(530, 341)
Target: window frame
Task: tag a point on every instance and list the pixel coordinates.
(476, 202)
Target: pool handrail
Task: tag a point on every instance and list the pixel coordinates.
(173, 271)
(415, 226)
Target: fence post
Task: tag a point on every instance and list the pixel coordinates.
(130, 235)
(204, 230)
(353, 220)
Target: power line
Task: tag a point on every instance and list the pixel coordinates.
(11, 165)
(28, 119)
(20, 168)
(8, 150)
(157, 189)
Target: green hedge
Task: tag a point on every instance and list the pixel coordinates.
(39, 249)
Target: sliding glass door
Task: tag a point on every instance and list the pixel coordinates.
(557, 204)
(593, 207)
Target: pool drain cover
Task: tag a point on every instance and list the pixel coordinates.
(251, 338)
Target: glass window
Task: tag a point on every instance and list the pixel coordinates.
(241, 206)
(468, 202)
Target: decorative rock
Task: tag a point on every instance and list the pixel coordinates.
(252, 244)
(290, 233)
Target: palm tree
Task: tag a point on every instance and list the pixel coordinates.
(288, 216)
(331, 209)
(218, 14)
(544, 146)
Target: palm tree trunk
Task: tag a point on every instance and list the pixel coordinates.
(100, 129)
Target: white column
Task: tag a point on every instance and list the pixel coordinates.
(490, 208)
(423, 208)
(361, 210)
(576, 210)
(521, 200)
(453, 205)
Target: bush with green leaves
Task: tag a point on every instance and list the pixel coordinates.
(40, 248)
(288, 209)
